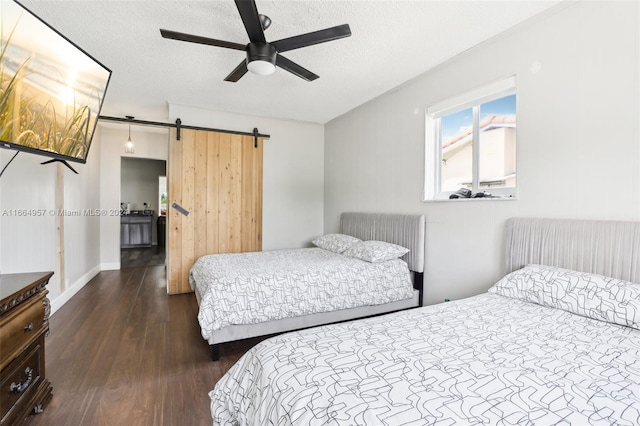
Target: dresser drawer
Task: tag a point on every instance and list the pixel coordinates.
(19, 383)
(19, 328)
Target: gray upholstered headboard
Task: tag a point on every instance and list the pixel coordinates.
(405, 230)
(610, 248)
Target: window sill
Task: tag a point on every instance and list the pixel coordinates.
(466, 200)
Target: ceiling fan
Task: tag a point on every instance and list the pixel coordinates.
(262, 56)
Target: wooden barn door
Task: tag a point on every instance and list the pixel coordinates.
(216, 178)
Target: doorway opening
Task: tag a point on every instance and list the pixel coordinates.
(142, 223)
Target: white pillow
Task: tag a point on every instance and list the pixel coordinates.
(375, 251)
(590, 295)
(336, 243)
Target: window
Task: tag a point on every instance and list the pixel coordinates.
(471, 143)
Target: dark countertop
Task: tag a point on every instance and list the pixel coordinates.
(138, 213)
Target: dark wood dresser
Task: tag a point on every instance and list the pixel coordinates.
(24, 321)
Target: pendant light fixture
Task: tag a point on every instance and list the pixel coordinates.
(129, 147)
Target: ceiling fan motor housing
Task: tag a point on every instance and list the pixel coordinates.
(261, 58)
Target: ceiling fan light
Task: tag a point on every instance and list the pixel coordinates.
(261, 67)
(261, 58)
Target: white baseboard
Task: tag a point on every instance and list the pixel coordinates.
(113, 266)
(63, 298)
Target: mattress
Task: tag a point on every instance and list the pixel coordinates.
(483, 360)
(249, 288)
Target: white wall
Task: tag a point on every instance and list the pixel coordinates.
(30, 243)
(293, 172)
(578, 140)
(150, 142)
(82, 233)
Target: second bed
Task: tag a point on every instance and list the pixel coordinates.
(357, 273)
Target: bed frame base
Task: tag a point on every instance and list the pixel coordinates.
(418, 284)
(215, 352)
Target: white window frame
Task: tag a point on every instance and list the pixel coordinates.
(433, 151)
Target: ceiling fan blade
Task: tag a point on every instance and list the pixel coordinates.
(237, 73)
(309, 39)
(201, 40)
(294, 68)
(249, 14)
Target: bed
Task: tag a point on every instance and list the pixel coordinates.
(555, 341)
(243, 295)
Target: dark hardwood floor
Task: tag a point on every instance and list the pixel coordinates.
(123, 352)
(142, 256)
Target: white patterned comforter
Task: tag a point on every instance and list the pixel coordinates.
(247, 288)
(483, 360)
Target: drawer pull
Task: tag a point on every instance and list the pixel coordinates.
(21, 387)
(28, 327)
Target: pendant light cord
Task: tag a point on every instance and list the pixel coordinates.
(130, 119)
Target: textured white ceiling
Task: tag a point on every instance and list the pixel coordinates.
(391, 42)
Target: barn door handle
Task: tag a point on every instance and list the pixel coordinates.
(180, 209)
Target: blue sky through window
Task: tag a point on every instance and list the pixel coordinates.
(460, 121)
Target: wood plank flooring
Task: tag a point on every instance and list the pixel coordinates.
(142, 256)
(123, 352)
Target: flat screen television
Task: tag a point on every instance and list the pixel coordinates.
(51, 91)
